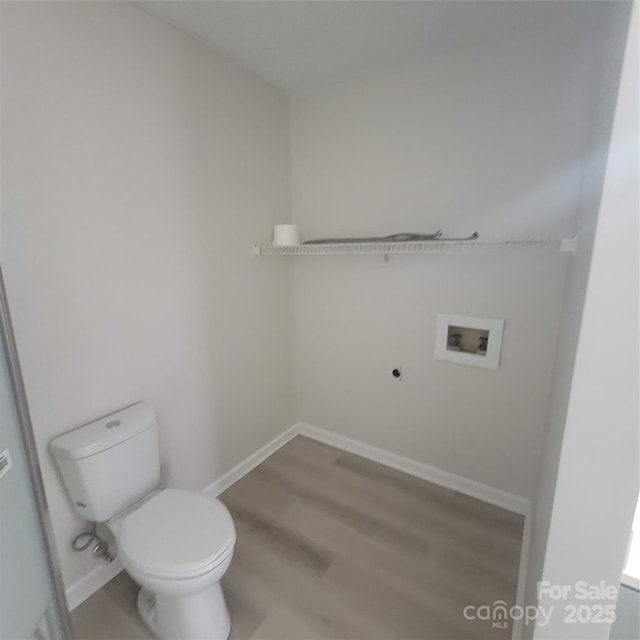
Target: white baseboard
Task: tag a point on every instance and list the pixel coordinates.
(516, 632)
(483, 492)
(630, 581)
(486, 493)
(86, 586)
(250, 463)
(82, 589)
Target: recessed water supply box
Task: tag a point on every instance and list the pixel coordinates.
(469, 340)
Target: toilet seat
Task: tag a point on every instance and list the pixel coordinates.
(176, 535)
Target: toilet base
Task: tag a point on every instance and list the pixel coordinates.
(199, 616)
(147, 610)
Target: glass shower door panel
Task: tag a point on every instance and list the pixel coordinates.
(24, 574)
(31, 603)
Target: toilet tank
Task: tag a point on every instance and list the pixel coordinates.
(110, 464)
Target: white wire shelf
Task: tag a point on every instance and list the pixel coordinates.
(565, 245)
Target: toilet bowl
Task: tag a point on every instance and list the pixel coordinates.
(176, 544)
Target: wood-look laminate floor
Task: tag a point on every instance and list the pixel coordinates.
(331, 545)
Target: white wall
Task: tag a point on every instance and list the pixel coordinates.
(490, 139)
(608, 70)
(138, 167)
(597, 480)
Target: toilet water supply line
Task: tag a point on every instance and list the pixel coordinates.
(101, 548)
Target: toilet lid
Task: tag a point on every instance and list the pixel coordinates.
(176, 534)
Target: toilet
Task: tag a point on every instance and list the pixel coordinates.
(175, 544)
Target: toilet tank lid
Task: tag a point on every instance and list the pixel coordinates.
(104, 433)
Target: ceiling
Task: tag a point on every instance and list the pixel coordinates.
(307, 44)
